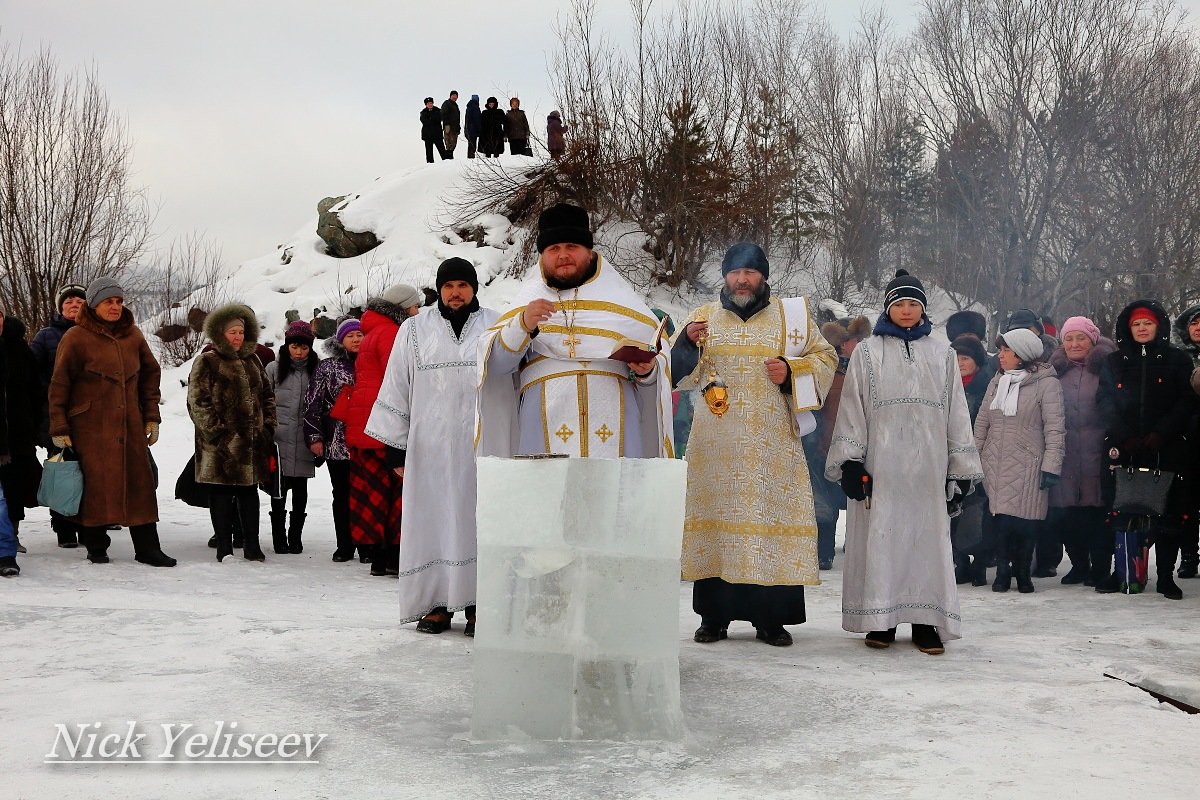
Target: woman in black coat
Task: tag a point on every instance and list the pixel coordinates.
(491, 134)
(1147, 402)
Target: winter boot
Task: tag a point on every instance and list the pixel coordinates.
(1165, 557)
(66, 531)
(880, 640)
(8, 567)
(378, 561)
(146, 547)
(927, 640)
(1080, 567)
(222, 509)
(392, 559)
(295, 532)
(365, 555)
(1003, 580)
(979, 570)
(469, 630)
(962, 567)
(1187, 567)
(774, 635)
(96, 540)
(247, 508)
(436, 621)
(1023, 561)
(345, 545)
(278, 529)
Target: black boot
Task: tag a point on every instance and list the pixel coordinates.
(1165, 559)
(1001, 549)
(295, 532)
(67, 531)
(1023, 561)
(711, 630)
(345, 544)
(378, 561)
(1003, 580)
(979, 570)
(927, 640)
(9, 567)
(774, 635)
(279, 540)
(222, 510)
(96, 540)
(962, 567)
(1080, 571)
(392, 559)
(1187, 567)
(247, 507)
(146, 547)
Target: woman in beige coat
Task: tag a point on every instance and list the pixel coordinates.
(1020, 434)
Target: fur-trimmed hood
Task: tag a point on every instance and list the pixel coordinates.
(214, 329)
(390, 310)
(1122, 335)
(843, 330)
(1103, 348)
(1181, 330)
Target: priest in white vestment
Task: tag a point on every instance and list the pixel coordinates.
(548, 381)
(425, 416)
(904, 452)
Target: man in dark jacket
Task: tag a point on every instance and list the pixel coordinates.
(516, 127)
(492, 129)
(474, 122)
(70, 300)
(1147, 402)
(451, 123)
(431, 130)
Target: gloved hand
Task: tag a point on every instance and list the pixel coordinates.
(1049, 480)
(61, 442)
(954, 505)
(856, 481)
(964, 486)
(151, 433)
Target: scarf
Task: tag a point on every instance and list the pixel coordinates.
(885, 327)
(1008, 389)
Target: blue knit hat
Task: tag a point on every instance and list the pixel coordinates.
(745, 255)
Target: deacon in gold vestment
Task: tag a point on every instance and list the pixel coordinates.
(750, 537)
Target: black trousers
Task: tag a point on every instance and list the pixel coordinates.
(718, 601)
(339, 479)
(1086, 537)
(472, 146)
(429, 145)
(518, 146)
(299, 490)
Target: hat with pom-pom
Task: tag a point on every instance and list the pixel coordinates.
(904, 287)
(299, 332)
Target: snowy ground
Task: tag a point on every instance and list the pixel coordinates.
(300, 644)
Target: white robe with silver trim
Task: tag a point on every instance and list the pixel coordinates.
(903, 413)
(426, 407)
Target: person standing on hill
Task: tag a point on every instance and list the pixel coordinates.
(473, 120)
(516, 127)
(431, 130)
(451, 123)
(556, 141)
(492, 129)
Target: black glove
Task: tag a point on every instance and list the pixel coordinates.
(1049, 480)
(955, 504)
(856, 481)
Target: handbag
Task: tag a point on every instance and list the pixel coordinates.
(341, 406)
(188, 490)
(1141, 490)
(272, 483)
(61, 486)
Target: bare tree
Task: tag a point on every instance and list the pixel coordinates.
(67, 210)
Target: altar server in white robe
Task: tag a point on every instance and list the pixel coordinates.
(905, 454)
(425, 416)
(547, 380)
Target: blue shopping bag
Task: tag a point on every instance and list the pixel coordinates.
(61, 487)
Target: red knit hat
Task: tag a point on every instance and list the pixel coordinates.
(1143, 313)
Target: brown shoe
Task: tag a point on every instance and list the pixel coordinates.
(435, 621)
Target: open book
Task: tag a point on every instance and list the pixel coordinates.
(632, 351)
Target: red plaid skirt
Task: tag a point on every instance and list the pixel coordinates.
(375, 499)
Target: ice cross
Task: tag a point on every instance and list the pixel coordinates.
(604, 433)
(564, 433)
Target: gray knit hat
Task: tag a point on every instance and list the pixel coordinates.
(402, 295)
(101, 289)
(1025, 343)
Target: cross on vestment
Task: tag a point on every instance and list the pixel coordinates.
(739, 477)
(743, 336)
(569, 341)
(564, 433)
(743, 368)
(795, 336)
(604, 433)
(741, 403)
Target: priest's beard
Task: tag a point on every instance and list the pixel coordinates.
(747, 299)
(578, 280)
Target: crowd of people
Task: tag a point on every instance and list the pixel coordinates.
(948, 460)
(485, 129)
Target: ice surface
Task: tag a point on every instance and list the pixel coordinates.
(579, 599)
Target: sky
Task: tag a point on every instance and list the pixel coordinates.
(245, 113)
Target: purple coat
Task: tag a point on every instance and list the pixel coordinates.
(1084, 461)
(327, 381)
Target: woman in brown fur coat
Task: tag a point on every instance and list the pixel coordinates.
(232, 405)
